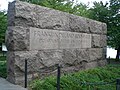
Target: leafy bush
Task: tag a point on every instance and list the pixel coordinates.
(3, 71)
(103, 78)
(2, 58)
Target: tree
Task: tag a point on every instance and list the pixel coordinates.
(62, 5)
(109, 14)
(3, 26)
(81, 9)
(114, 26)
(69, 6)
(99, 12)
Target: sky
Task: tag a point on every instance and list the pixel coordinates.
(4, 4)
(110, 52)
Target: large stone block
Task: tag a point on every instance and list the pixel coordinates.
(103, 41)
(46, 37)
(95, 41)
(82, 55)
(69, 57)
(95, 54)
(99, 41)
(10, 67)
(78, 24)
(29, 38)
(54, 39)
(91, 65)
(94, 64)
(17, 38)
(96, 27)
(46, 18)
(38, 16)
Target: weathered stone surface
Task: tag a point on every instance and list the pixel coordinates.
(10, 67)
(95, 64)
(99, 41)
(95, 26)
(78, 24)
(11, 15)
(46, 18)
(46, 37)
(91, 65)
(41, 17)
(54, 39)
(17, 38)
(103, 41)
(69, 57)
(102, 62)
(95, 41)
(95, 54)
(104, 28)
(82, 55)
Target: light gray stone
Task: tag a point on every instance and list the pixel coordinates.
(94, 64)
(99, 41)
(37, 16)
(103, 41)
(83, 55)
(46, 18)
(46, 37)
(54, 39)
(69, 57)
(96, 41)
(78, 24)
(95, 54)
(91, 65)
(104, 28)
(17, 38)
(95, 26)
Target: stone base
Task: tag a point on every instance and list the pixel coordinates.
(44, 62)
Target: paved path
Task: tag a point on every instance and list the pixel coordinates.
(5, 85)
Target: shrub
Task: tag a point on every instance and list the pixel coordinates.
(103, 78)
(3, 71)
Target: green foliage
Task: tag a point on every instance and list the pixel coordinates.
(69, 6)
(3, 26)
(3, 71)
(114, 24)
(81, 9)
(99, 12)
(102, 78)
(55, 4)
(109, 14)
(2, 58)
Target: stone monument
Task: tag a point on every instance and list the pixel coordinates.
(46, 37)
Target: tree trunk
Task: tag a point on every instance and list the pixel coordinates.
(118, 53)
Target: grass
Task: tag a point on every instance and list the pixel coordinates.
(2, 58)
(103, 78)
(3, 71)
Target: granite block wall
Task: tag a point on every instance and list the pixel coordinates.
(46, 37)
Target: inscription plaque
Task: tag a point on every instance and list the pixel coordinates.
(54, 39)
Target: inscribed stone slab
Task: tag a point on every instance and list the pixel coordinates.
(54, 39)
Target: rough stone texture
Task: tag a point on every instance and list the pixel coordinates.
(90, 53)
(95, 40)
(46, 18)
(18, 38)
(103, 42)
